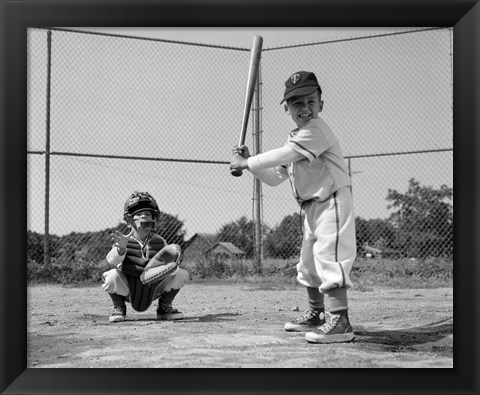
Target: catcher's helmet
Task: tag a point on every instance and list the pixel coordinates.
(140, 201)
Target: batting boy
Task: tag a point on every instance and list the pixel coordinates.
(313, 161)
(130, 254)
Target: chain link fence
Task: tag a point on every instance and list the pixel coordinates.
(112, 114)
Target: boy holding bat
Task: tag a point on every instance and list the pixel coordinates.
(314, 163)
(146, 267)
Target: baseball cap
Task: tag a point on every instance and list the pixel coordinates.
(300, 83)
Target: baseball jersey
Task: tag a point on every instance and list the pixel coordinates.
(323, 170)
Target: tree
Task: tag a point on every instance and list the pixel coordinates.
(94, 246)
(423, 219)
(171, 229)
(35, 246)
(241, 234)
(285, 240)
(377, 233)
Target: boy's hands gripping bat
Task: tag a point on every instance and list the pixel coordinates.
(252, 79)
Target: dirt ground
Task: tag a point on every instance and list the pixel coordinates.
(233, 326)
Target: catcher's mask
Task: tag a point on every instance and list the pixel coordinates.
(141, 201)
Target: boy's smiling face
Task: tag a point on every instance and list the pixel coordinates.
(304, 108)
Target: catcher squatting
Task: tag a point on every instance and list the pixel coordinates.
(147, 269)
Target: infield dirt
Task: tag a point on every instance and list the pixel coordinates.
(237, 325)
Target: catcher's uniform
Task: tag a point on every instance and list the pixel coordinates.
(125, 278)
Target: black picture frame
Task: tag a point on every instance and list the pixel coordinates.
(17, 16)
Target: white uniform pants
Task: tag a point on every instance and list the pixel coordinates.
(329, 243)
(115, 281)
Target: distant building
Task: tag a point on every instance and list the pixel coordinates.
(377, 253)
(197, 246)
(225, 250)
(371, 252)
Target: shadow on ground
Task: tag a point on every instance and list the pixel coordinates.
(407, 337)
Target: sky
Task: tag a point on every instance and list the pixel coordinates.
(92, 112)
(242, 37)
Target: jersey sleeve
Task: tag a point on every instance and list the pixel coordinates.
(114, 258)
(273, 158)
(272, 176)
(312, 141)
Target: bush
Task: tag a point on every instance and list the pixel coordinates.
(366, 273)
(65, 272)
(219, 268)
(406, 273)
(438, 268)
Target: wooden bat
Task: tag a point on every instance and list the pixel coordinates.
(256, 53)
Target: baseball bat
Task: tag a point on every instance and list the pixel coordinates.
(256, 53)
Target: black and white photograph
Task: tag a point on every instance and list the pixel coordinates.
(137, 122)
(231, 197)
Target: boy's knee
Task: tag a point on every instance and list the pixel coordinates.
(107, 280)
(179, 280)
(114, 283)
(108, 285)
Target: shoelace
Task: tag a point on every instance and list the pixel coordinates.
(309, 314)
(330, 321)
(168, 309)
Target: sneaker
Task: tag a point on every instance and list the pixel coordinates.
(310, 321)
(168, 313)
(336, 329)
(118, 314)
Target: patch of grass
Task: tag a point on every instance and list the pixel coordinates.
(275, 273)
(60, 272)
(403, 273)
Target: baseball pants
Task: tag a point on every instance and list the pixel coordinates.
(115, 281)
(329, 242)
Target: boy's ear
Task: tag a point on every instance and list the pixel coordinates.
(321, 106)
(285, 107)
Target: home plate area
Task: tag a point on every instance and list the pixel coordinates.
(224, 340)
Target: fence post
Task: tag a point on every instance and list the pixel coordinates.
(46, 236)
(258, 202)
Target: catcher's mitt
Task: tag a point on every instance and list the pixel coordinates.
(161, 265)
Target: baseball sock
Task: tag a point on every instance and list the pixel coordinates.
(315, 299)
(118, 300)
(166, 298)
(338, 299)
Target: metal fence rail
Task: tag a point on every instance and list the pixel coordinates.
(110, 114)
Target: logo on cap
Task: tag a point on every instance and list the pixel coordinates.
(295, 78)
